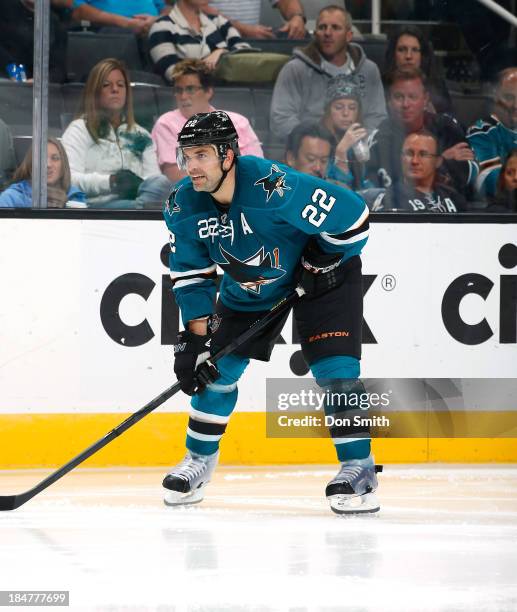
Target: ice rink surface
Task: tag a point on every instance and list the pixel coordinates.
(264, 539)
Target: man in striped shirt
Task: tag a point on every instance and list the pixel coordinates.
(187, 33)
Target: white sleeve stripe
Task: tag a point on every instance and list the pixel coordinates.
(356, 238)
(489, 162)
(203, 437)
(483, 175)
(185, 283)
(209, 418)
(175, 275)
(360, 221)
(471, 170)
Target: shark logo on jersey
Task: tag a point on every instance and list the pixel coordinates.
(255, 271)
(274, 182)
(172, 200)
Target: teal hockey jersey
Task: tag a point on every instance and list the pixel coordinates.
(491, 141)
(258, 240)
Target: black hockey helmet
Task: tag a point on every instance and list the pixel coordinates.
(215, 128)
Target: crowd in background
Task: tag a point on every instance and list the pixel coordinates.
(390, 134)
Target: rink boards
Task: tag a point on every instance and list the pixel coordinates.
(88, 322)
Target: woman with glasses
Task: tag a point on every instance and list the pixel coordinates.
(422, 188)
(193, 89)
(112, 158)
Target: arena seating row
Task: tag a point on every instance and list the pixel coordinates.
(85, 49)
(272, 150)
(151, 101)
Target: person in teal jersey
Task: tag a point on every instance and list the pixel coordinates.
(493, 137)
(257, 220)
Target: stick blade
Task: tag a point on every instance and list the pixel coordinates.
(7, 502)
(11, 502)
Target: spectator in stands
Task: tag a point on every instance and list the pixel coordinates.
(420, 189)
(193, 90)
(17, 38)
(298, 90)
(310, 147)
(134, 15)
(60, 193)
(186, 32)
(408, 48)
(7, 157)
(112, 158)
(505, 198)
(493, 137)
(407, 102)
(343, 119)
(245, 16)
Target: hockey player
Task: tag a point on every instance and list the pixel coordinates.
(257, 220)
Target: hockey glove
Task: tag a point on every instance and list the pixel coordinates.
(125, 184)
(192, 365)
(320, 272)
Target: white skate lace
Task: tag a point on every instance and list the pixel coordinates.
(349, 473)
(189, 468)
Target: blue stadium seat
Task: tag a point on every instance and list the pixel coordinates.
(164, 99)
(374, 47)
(262, 100)
(236, 99)
(16, 107)
(85, 49)
(145, 105)
(21, 145)
(468, 108)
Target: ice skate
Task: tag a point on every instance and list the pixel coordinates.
(352, 490)
(185, 483)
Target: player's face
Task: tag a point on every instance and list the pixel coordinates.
(506, 100)
(343, 113)
(112, 97)
(419, 158)
(203, 166)
(54, 164)
(313, 157)
(332, 33)
(407, 52)
(191, 98)
(510, 174)
(408, 100)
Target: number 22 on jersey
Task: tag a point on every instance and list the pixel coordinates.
(313, 214)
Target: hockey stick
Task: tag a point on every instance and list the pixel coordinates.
(11, 502)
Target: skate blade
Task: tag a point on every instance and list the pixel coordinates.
(354, 504)
(175, 498)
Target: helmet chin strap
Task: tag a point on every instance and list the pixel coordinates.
(225, 174)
